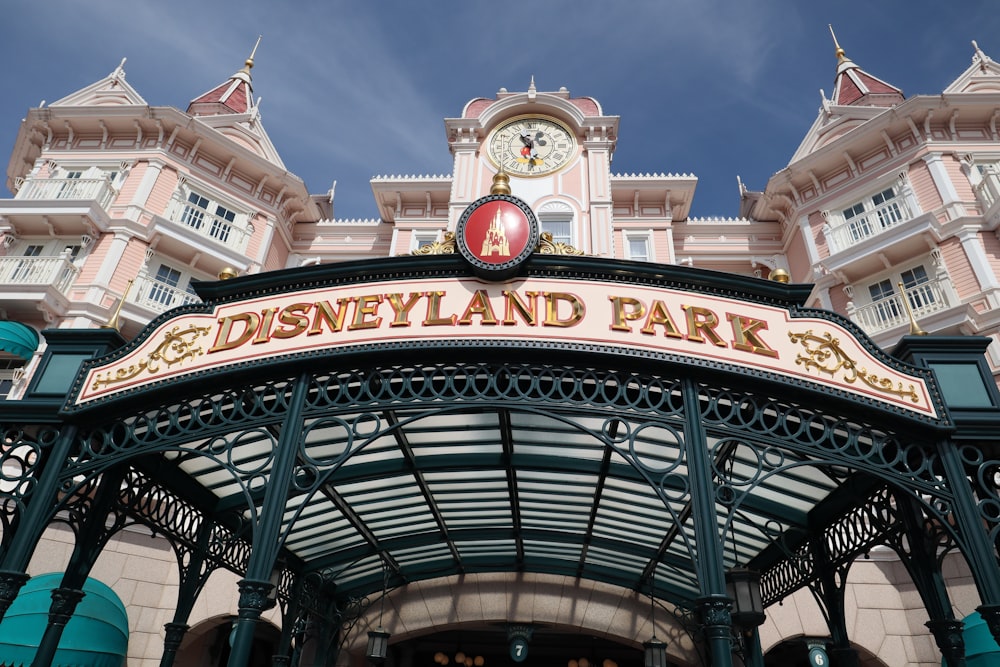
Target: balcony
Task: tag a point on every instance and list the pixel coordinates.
(57, 272)
(884, 314)
(77, 189)
(988, 189)
(158, 296)
(232, 235)
(843, 234)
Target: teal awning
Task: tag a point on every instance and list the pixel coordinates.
(18, 339)
(96, 635)
(981, 649)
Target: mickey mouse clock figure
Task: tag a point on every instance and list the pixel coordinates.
(531, 145)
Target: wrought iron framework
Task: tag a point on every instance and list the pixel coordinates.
(650, 475)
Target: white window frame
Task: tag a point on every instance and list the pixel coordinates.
(156, 291)
(419, 239)
(645, 237)
(558, 213)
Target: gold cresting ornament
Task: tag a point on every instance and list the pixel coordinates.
(177, 346)
(228, 273)
(824, 354)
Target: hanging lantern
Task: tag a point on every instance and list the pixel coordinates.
(743, 586)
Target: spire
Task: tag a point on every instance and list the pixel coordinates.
(854, 86)
(234, 96)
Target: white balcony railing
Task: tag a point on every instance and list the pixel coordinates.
(988, 189)
(158, 296)
(867, 224)
(229, 234)
(59, 272)
(88, 189)
(925, 298)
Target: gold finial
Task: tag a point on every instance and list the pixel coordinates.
(501, 183)
(248, 63)
(779, 276)
(228, 272)
(114, 322)
(839, 52)
(915, 329)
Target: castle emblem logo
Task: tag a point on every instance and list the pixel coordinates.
(496, 238)
(496, 234)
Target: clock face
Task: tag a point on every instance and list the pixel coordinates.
(531, 146)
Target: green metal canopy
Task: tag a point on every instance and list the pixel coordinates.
(96, 635)
(18, 339)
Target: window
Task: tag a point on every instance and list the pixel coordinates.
(637, 247)
(69, 189)
(26, 269)
(419, 240)
(11, 368)
(208, 216)
(561, 230)
(918, 290)
(873, 214)
(924, 294)
(885, 306)
(164, 286)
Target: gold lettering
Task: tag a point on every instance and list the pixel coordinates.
(480, 305)
(625, 309)
(367, 305)
(250, 322)
(513, 303)
(434, 318)
(294, 316)
(658, 314)
(552, 299)
(704, 321)
(401, 309)
(333, 319)
(264, 331)
(746, 338)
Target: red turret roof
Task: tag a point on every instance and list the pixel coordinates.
(855, 86)
(233, 96)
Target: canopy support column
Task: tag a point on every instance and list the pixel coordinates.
(830, 585)
(90, 541)
(924, 568)
(973, 538)
(192, 579)
(34, 519)
(256, 586)
(713, 603)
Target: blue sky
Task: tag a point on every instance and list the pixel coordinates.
(355, 88)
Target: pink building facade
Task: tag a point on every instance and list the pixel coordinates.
(890, 208)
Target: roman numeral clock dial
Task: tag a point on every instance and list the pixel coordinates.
(531, 146)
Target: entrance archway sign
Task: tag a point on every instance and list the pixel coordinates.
(759, 330)
(645, 426)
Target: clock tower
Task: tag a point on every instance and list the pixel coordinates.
(557, 151)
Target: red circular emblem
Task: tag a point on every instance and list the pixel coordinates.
(497, 233)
